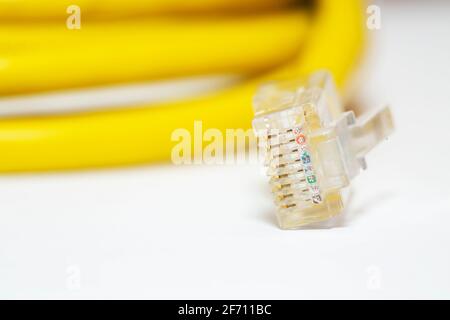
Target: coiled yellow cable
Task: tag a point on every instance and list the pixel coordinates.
(102, 53)
(142, 134)
(56, 9)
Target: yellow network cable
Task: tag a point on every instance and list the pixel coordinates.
(142, 134)
(102, 53)
(39, 9)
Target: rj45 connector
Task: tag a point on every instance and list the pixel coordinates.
(313, 149)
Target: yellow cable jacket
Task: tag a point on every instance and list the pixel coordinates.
(45, 57)
(12, 10)
(143, 134)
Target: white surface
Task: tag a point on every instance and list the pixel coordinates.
(209, 232)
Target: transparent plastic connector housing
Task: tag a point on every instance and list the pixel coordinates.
(313, 149)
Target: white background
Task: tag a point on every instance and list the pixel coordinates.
(210, 232)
